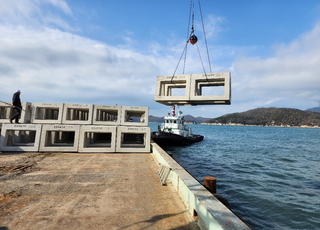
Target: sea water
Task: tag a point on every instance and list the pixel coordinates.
(269, 175)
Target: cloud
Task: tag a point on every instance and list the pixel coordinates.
(35, 13)
(288, 78)
(42, 55)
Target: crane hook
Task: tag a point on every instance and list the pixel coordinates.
(193, 39)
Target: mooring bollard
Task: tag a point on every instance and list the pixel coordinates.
(210, 183)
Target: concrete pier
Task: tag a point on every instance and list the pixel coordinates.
(89, 191)
(105, 191)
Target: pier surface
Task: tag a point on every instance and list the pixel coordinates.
(86, 191)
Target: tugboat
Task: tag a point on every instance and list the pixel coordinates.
(174, 132)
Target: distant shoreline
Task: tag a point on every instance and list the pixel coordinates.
(278, 126)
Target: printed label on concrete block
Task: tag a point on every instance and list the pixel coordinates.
(47, 113)
(20, 137)
(7, 111)
(134, 116)
(133, 139)
(80, 114)
(216, 85)
(59, 138)
(97, 139)
(166, 87)
(106, 115)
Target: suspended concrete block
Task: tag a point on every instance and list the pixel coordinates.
(133, 139)
(47, 113)
(196, 89)
(59, 138)
(213, 82)
(97, 138)
(20, 137)
(78, 114)
(134, 116)
(106, 115)
(167, 84)
(7, 111)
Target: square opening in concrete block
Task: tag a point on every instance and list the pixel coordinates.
(7, 111)
(20, 137)
(134, 116)
(47, 113)
(106, 115)
(176, 91)
(59, 138)
(77, 114)
(133, 139)
(210, 87)
(97, 138)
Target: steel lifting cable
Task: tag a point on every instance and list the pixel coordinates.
(190, 13)
(189, 36)
(204, 35)
(202, 63)
(187, 41)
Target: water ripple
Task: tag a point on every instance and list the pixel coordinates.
(269, 175)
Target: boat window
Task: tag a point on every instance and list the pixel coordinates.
(174, 121)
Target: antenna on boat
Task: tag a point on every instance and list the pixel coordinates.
(173, 111)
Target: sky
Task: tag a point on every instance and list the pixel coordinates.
(111, 52)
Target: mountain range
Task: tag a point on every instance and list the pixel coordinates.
(272, 117)
(260, 116)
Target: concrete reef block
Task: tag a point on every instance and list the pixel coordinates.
(133, 139)
(47, 113)
(97, 138)
(200, 89)
(59, 138)
(20, 137)
(106, 115)
(7, 111)
(165, 86)
(213, 80)
(77, 114)
(134, 116)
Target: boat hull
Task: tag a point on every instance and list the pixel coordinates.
(170, 139)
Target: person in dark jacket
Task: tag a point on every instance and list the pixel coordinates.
(16, 106)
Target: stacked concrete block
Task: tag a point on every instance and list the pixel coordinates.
(134, 116)
(7, 111)
(80, 114)
(20, 137)
(97, 138)
(47, 113)
(58, 127)
(133, 139)
(59, 138)
(106, 115)
(193, 85)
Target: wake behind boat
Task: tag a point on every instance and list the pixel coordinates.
(174, 132)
